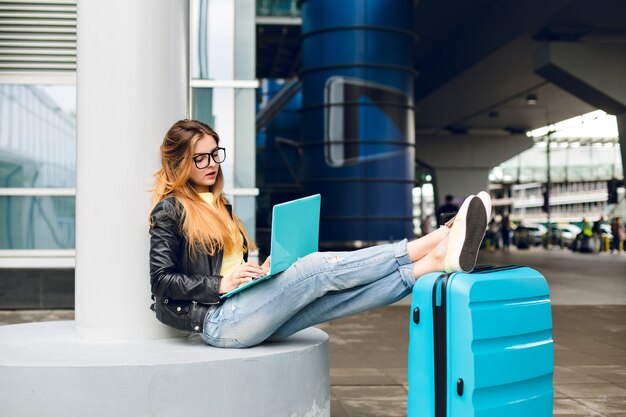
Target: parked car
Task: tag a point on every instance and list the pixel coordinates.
(536, 232)
(564, 234)
(527, 235)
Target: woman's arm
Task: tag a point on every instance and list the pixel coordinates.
(166, 280)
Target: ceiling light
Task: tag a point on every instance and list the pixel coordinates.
(531, 99)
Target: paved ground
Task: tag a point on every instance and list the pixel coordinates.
(368, 352)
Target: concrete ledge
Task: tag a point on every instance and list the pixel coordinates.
(46, 370)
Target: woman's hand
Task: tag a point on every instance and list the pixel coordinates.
(242, 274)
(266, 267)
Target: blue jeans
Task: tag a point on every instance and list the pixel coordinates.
(319, 287)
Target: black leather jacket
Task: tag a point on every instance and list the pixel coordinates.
(183, 287)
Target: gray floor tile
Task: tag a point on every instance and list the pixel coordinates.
(571, 358)
(398, 374)
(558, 394)
(617, 360)
(597, 348)
(348, 360)
(569, 407)
(609, 373)
(337, 410)
(610, 406)
(592, 390)
(28, 316)
(566, 375)
(360, 376)
(373, 401)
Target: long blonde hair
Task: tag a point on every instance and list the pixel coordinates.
(205, 227)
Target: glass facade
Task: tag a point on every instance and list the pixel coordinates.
(277, 8)
(37, 136)
(37, 222)
(38, 130)
(223, 85)
(569, 202)
(584, 155)
(37, 166)
(569, 162)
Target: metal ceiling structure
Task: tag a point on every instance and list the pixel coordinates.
(475, 59)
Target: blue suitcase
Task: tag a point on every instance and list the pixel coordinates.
(481, 345)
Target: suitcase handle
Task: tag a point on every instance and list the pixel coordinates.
(416, 315)
(459, 387)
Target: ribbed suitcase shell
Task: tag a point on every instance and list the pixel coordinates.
(498, 342)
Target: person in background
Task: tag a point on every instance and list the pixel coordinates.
(587, 228)
(492, 236)
(619, 235)
(505, 230)
(584, 240)
(446, 211)
(425, 225)
(597, 233)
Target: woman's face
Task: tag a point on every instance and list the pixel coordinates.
(203, 178)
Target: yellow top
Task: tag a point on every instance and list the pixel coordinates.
(231, 259)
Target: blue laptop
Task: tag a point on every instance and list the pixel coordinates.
(295, 233)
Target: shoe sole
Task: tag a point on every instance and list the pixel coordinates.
(456, 236)
(474, 234)
(466, 239)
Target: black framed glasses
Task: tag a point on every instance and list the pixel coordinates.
(202, 159)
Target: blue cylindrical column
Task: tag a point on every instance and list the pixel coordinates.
(358, 125)
(277, 160)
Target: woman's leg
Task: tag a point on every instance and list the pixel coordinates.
(301, 309)
(251, 316)
(429, 253)
(433, 261)
(382, 292)
(419, 248)
(334, 305)
(257, 313)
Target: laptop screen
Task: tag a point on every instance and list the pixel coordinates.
(295, 231)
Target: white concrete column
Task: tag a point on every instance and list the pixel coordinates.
(132, 84)
(462, 162)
